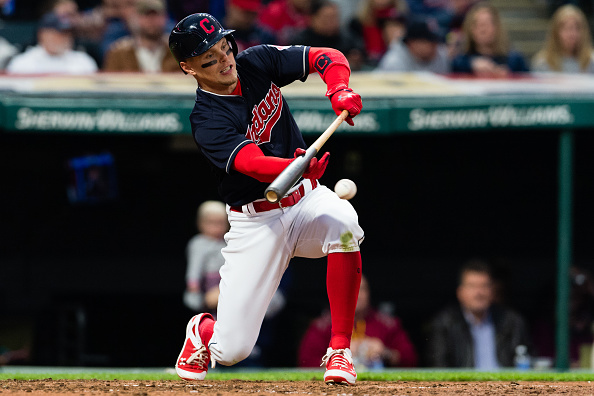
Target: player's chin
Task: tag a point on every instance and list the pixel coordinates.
(229, 79)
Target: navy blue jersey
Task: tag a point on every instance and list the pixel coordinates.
(223, 124)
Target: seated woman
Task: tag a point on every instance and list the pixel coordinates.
(568, 48)
(486, 52)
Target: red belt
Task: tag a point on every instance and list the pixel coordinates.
(289, 200)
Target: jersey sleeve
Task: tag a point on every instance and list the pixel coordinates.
(283, 64)
(219, 141)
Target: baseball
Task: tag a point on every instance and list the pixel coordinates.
(345, 188)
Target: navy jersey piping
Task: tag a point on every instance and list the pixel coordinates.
(234, 154)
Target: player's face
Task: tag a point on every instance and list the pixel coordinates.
(215, 70)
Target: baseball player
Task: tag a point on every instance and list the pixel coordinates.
(243, 126)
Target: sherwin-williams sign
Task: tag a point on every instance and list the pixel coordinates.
(169, 114)
(29, 119)
(490, 117)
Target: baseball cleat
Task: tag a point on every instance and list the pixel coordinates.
(339, 367)
(192, 363)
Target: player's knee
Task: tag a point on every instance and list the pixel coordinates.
(234, 354)
(343, 234)
(343, 225)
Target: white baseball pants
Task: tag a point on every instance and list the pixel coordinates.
(259, 247)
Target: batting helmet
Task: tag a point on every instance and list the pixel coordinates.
(196, 34)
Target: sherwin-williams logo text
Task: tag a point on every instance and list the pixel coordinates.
(265, 115)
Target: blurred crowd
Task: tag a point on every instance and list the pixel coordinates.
(438, 36)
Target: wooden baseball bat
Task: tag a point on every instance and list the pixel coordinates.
(289, 176)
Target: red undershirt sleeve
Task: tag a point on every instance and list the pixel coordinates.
(332, 66)
(251, 161)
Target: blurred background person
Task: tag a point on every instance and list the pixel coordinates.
(437, 12)
(285, 18)
(378, 339)
(118, 23)
(242, 16)
(369, 26)
(568, 48)
(421, 49)
(581, 320)
(86, 27)
(54, 52)
(7, 51)
(475, 332)
(204, 257)
(486, 48)
(454, 36)
(179, 9)
(324, 30)
(147, 50)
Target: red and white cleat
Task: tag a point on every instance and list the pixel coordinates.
(339, 367)
(192, 363)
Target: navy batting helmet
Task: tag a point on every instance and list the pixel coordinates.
(196, 34)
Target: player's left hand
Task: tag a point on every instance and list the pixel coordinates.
(316, 167)
(346, 99)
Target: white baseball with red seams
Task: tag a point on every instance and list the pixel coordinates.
(345, 188)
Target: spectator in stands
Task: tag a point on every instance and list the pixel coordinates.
(285, 18)
(421, 49)
(454, 36)
(242, 15)
(370, 22)
(486, 52)
(475, 332)
(581, 319)
(120, 15)
(437, 12)
(54, 52)
(568, 47)
(324, 31)
(179, 9)
(7, 51)
(86, 37)
(378, 339)
(147, 50)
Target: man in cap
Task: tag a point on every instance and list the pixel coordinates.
(421, 49)
(54, 52)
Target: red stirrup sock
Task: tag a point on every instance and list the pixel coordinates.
(206, 329)
(343, 278)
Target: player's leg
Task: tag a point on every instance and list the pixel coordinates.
(329, 226)
(256, 256)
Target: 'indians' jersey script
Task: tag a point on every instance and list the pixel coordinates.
(223, 124)
(265, 115)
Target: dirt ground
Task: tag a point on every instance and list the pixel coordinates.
(239, 387)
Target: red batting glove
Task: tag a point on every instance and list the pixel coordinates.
(316, 167)
(346, 99)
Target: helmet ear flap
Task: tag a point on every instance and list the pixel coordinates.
(231, 40)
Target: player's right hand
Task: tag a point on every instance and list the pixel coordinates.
(346, 99)
(316, 167)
